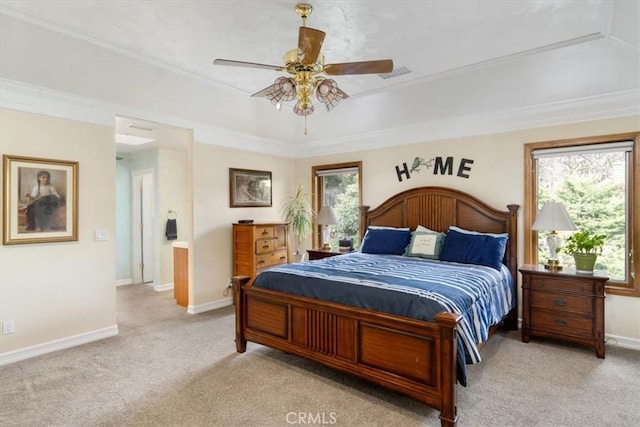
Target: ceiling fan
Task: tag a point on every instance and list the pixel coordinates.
(307, 68)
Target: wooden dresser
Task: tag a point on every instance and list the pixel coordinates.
(259, 246)
(563, 305)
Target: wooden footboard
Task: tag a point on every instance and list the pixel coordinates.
(413, 357)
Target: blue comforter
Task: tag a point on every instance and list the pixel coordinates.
(406, 286)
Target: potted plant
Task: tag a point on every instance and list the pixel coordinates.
(585, 248)
(296, 211)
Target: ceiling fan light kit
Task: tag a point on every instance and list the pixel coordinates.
(307, 67)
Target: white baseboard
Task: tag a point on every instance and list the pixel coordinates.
(123, 282)
(61, 344)
(624, 342)
(214, 305)
(162, 288)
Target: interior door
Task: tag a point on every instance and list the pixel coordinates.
(143, 236)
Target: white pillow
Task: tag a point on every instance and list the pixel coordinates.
(423, 228)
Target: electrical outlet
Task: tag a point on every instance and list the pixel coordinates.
(8, 327)
(102, 235)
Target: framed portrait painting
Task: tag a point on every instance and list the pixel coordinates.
(249, 188)
(40, 200)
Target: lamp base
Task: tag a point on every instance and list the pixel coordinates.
(326, 247)
(553, 265)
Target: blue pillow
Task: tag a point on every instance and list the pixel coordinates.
(480, 249)
(503, 237)
(385, 241)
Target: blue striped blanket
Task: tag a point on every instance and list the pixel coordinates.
(406, 286)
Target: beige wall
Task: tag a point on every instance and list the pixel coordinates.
(212, 217)
(58, 291)
(173, 194)
(496, 176)
(54, 291)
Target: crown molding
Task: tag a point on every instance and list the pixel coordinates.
(39, 100)
(604, 106)
(15, 95)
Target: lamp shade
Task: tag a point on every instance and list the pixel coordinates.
(554, 217)
(327, 216)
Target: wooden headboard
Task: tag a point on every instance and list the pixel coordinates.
(437, 208)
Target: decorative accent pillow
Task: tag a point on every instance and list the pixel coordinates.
(503, 237)
(425, 245)
(385, 240)
(471, 248)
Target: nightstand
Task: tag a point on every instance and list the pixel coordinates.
(319, 253)
(564, 305)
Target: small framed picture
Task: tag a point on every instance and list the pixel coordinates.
(249, 188)
(40, 200)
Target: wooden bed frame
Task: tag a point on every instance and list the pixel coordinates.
(414, 357)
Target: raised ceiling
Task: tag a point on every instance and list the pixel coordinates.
(469, 61)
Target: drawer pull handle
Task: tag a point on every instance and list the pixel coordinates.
(265, 246)
(282, 258)
(560, 302)
(265, 232)
(560, 322)
(261, 262)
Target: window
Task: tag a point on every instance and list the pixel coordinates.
(594, 178)
(339, 186)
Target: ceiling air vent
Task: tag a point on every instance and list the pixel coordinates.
(395, 73)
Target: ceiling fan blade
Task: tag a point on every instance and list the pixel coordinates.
(233, 63)
(380, 66)
(309, 44)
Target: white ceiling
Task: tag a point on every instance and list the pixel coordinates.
(466, 57)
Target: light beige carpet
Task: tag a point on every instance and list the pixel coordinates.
(169, 368)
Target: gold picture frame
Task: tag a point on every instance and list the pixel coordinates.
(40, 200)
(249, 188)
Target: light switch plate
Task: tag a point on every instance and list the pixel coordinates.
(102, 235)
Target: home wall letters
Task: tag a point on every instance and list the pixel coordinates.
(440, 165)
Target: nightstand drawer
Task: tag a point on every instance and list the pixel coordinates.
(559, 322)
(566, 303)
(560, 284)
(274, 258)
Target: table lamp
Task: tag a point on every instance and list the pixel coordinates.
(553, 217)
(326, 218)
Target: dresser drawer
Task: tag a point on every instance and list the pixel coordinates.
(561, 323)
(566, 303)
(265, 245)
(270, 259)
(264, 232)
(560, 284)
